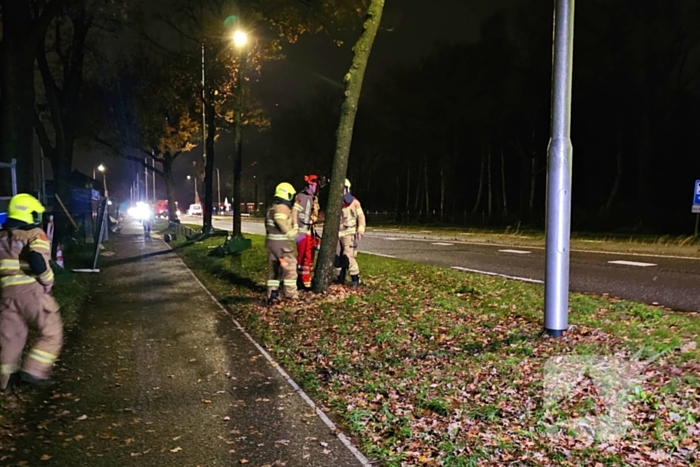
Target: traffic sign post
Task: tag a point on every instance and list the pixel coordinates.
(696, 205)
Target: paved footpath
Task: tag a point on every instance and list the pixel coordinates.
(156, 374)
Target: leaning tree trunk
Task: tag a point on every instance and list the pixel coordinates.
(170, 186)
(503, 183)
(353, 86)
(209, 170)
(490, 185)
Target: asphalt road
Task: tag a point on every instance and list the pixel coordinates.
(668, 280)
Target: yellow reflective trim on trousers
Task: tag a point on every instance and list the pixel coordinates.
(8, 281)
(42, 356)
(277, 237)
(8, 369)
(345, 233)
(290, 282)
(273, 283)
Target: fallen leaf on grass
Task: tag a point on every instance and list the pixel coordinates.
(82, 417)
(177, 437)
(177, 449)
(206, 401)
(78, 437)
(244, 461)
(45, 457)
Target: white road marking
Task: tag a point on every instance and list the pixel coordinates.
(391, 239)
(632, 263)
(443, 244)
(517, 252)
(505, 276)
(378, 254)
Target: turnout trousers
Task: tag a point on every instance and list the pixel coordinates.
(282, 268)
(19, 310)
(306, 250)
(347, 248)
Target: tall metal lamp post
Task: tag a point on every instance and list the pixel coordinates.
(240, 40)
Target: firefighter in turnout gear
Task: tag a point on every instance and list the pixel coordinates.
(26, 296)
(306, 210)
(352, 228)
(281, 234)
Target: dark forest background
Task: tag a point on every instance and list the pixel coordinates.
(462, 137)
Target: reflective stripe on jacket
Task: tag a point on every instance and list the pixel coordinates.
(279, 224)
(306, 211)
(15, 247)
(352, 219)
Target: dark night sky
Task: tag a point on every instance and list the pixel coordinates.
(410, 30)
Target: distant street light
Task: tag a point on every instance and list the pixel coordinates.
(196, 193)
(218, 190)
(102, 169)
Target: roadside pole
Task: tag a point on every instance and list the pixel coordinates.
(558, 229)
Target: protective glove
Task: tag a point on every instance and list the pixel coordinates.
(47, 289)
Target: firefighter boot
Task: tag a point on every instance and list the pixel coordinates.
(33, 380)
(274, 295)
(13, 380)
(355, 280)
(341, 277)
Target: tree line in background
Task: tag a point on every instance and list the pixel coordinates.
(462, 136)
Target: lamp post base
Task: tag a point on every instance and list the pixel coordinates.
(554, 332)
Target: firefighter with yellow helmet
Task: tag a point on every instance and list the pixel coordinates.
(26, 296)
(352, 228)
(280, 242)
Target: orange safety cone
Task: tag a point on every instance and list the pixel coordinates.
(59, 255)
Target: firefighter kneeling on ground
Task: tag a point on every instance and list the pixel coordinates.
(281, 234)
(352, 228)
(306, 210)
(26, 297)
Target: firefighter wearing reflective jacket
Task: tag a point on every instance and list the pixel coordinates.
(26, 296)
(352, 228)
(306, 210)
(281, 234)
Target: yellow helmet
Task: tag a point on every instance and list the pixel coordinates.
(285, 191)
(347, 184)
(22, 208)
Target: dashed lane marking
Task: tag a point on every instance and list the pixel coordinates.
(443, 244)
(632, 263)
(505, 276)
(516, 252)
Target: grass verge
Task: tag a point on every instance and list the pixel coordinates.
(428, 366)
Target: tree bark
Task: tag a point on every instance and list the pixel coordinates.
(427, 187)
(353, 87)
(209, 170)
(21, 34)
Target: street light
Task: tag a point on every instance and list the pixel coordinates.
(218, 190)
(240, 39)
(102, 169)
(196, 193)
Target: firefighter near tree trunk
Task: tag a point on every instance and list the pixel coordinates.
(281, 235)
(26, 280)
(352, 228)
(306, 211)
